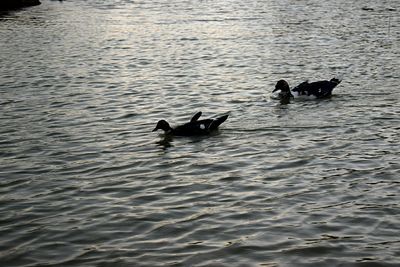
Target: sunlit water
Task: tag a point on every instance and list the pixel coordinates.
(84, 181)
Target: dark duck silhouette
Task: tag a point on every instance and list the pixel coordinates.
(194, 127)
(319, 89)
(284, 94)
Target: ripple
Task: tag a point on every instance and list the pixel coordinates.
(86, 183)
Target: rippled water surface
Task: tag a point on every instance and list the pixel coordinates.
(84, 181)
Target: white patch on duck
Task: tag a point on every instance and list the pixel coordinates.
(275, 95)
(297, 95)
(202, 126)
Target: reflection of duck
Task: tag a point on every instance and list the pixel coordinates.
(194, 127)
(165, 142)
(320, 89)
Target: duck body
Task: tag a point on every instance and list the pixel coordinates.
(319, 89)
(305, 90)
(194, 127)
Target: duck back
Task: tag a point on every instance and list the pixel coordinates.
(319, 89)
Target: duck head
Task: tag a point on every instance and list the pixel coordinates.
(163, 125)
(282, 85)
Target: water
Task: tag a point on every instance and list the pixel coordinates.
(84, 181)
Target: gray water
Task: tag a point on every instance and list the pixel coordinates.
(84, 181)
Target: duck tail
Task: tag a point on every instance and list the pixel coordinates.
(337, 79)
(218, 121)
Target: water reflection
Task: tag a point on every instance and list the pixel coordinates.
(78, 96)
(165, 142)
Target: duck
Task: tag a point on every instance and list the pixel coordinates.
(313, 90)
(193, 127)
(284, 94)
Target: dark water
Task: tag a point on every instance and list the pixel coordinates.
(84, 181)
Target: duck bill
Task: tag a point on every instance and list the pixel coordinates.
(276, 89)
(155, 129)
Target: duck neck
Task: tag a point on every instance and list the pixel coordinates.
(169, 130)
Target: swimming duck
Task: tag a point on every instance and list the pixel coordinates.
(194, 127)
(319, 89)
(284, 94)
